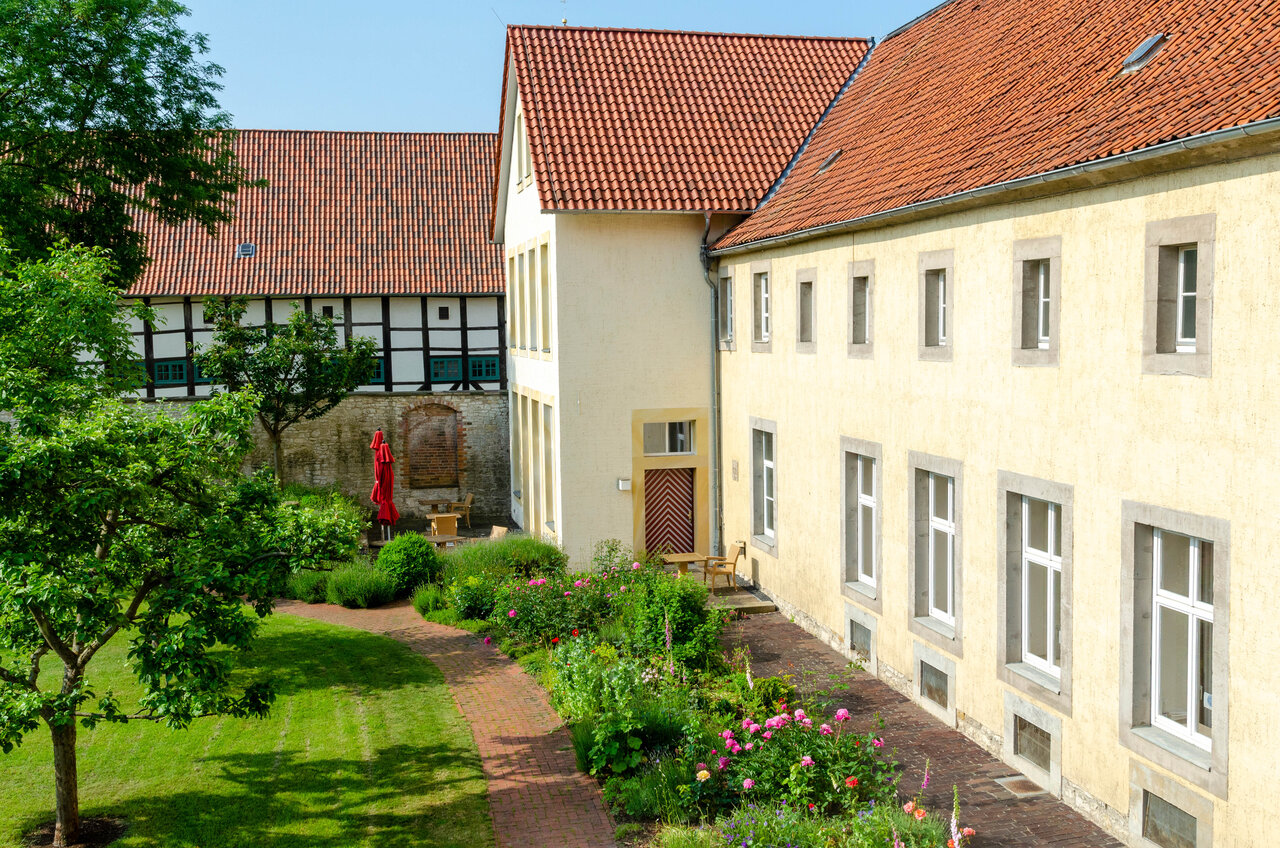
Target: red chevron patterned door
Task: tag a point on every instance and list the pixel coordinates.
(668, 509)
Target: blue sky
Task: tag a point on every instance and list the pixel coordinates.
(426, 65)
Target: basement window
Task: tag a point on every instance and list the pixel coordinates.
(1143, 53)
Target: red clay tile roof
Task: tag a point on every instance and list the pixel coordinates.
(979, 92)
(344, 213)
(669, 121)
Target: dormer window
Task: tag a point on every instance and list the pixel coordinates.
(1143, 53)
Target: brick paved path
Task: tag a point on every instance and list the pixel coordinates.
(1002, 819)
(537, 796)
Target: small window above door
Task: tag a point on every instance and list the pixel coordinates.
(668, 437)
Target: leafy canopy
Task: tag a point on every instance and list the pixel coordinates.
(299, 369)
(108, 111)
(127, 520)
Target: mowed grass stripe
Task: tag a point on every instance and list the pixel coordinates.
(364, 747)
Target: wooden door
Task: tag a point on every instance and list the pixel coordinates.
(668, 510)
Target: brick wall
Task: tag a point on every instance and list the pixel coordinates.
(335, 448)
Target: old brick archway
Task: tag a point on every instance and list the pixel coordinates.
(431, 438)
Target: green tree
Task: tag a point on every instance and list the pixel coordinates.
(125, 520)
(107, 111)
(299, 368)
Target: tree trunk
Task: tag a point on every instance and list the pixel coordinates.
(276, 459)
(67, 829)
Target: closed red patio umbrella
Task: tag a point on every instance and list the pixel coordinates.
(384, 481)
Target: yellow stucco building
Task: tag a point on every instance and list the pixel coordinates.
(993, 402)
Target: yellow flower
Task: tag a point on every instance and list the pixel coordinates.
(703, 775)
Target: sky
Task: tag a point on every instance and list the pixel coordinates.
(432, 66)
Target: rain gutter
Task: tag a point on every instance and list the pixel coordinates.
(717, 493)
(1270, 125)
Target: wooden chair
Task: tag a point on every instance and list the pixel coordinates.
(496, 532)
(463, 507)
(444, 523)
(726, 565)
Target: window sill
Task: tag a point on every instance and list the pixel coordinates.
(762, 347)
(728, 344)
(936, 353)
(764, 543)
(939, 633)
(1180, 748)
(1033, 683)
(861, 594)
(1040, 678)
(860, 350)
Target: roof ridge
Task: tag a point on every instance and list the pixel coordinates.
(917, 19)
(714, 34)
(365, 132)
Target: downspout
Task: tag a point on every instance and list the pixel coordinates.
(717, 497)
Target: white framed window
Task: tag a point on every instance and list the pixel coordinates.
(860, 519)
(936, 328)
(668, 437)
(1043, 303)
(1042, 585)
(725, 316)
(1186, 299)
(1182, 637)
(764, 486)
(942, 548)
(763, 307)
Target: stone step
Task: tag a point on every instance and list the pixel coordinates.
(741, 601)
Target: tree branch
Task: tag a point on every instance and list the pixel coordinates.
(130, 616)
(50, 637)
(15, 679)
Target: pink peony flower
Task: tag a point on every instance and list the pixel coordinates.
(799, 715)
(577, 584)
(879, 743)
(746, 723)
(724, 763)
(748, 783)
(511, 614)
(488, 639)
(749, 745)
(768, 734)
(567, 594)
(842, 715)
(726, 734)
(808, 722)
(754, 728)
(826, 730)
(635, 566)
(909, 807)
(701, 766)
(806, 760)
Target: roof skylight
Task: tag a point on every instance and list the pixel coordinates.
(1143, 53)
(244, 250)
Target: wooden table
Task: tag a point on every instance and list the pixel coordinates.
(444, 523)
(444, 540)
(437, 506)
(683, 561)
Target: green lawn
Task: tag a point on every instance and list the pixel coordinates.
(364, 747)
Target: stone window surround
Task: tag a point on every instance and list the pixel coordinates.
(1009, 666)
(862, 268)
(1206, 769)
(760, 542)
(1142, 778)
(937, 260)
(1027, 250)
(725, 285)
(810, 276)
(856, 590)
(763, 267)
(1015, 706)
(1193, 229)
(921, 624)
(924, 653)
(871, 622)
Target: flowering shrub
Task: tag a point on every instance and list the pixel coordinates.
(666, 608)
(792, 757)
(538, 609)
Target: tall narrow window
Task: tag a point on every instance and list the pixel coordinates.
(936, 318)
(725, 316)
(513, 291)
(859, 314)
(1186, 299)
(1182, 637)
(764, 486)
(544, 296)
(860, 519)
(1042, 585)
(519, 305)
(763, 321)
(1042, 304)
(942, 548)
(531, 301)
(549, 468)
(804, 312)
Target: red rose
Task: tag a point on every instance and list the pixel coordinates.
(575, 633)
(555, 639)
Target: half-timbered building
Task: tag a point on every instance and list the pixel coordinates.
(388, 234)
